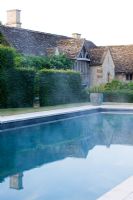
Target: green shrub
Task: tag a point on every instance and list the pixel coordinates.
(114, 85)
(59, 87)
(119, 96)
(30, 62)
(96, 89)
(7, 57)
(3, 41)
(16, 88)
(118, 91)
(115, 91)
(41, 62)
(3, 88)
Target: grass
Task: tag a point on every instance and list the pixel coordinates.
(16, 111)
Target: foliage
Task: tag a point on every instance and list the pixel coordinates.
(3, 40)
(21, 80)
(16, 88)
(59, 87)
(40, 62)
(96, 89)
(117, 91)
(114, 85)
(7, 57)
(123, 95)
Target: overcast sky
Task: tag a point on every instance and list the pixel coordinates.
(105, 22)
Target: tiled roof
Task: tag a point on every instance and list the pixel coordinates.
(123, 58)
(97, 55)
(39, 43)
(69, 46)
(29, 42)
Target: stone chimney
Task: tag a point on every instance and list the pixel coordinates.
(13, 18)
(76, 35)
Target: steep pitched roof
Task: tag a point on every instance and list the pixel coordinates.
(123, 58)
(97, 55)
(30, 42)
(70, 46)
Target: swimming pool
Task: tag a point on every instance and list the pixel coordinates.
(78, 158)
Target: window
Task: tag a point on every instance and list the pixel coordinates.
(129, 77)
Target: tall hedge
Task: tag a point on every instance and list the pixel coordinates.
(59, 87)
(16, 88)
(7, 57)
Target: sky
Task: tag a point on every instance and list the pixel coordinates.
(105, 22)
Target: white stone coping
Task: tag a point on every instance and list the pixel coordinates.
(11, 118)
(44, 113)
(123, 191)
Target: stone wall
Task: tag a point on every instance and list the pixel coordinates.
(103, 73)
(121, 77)
(108, 68)
(94, 77)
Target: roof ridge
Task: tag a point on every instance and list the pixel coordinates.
(35, 31)
(123, 45)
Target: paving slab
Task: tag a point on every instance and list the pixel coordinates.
(45, 113)
(123, 191)
(60, 111)
(13, 121)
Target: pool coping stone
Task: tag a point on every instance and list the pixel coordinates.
(14, 121)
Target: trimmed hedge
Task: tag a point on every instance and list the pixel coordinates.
(19, 87)
(16, 88)
(59, 87)
(118, 96)
(7, 57)
(21, 81)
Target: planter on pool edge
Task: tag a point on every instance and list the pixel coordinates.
(96, 98)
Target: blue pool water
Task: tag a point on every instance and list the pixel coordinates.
(74, 159)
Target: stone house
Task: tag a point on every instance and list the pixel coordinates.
(102, 68)
(28, 42)
(96, 64)
(112, 62)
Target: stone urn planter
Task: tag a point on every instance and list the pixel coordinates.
(96, 98)
(36, 103)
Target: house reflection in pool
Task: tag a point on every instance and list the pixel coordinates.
(16, 181)
(26, 148)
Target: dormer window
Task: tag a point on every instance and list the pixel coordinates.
(84, 54)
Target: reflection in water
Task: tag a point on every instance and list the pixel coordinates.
(26, 148)
(16, 181)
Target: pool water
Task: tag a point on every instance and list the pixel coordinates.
(73, 159)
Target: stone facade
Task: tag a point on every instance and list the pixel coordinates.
(103, 73)
(108, 68)
(121, 77)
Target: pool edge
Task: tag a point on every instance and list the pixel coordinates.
(23, 120)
